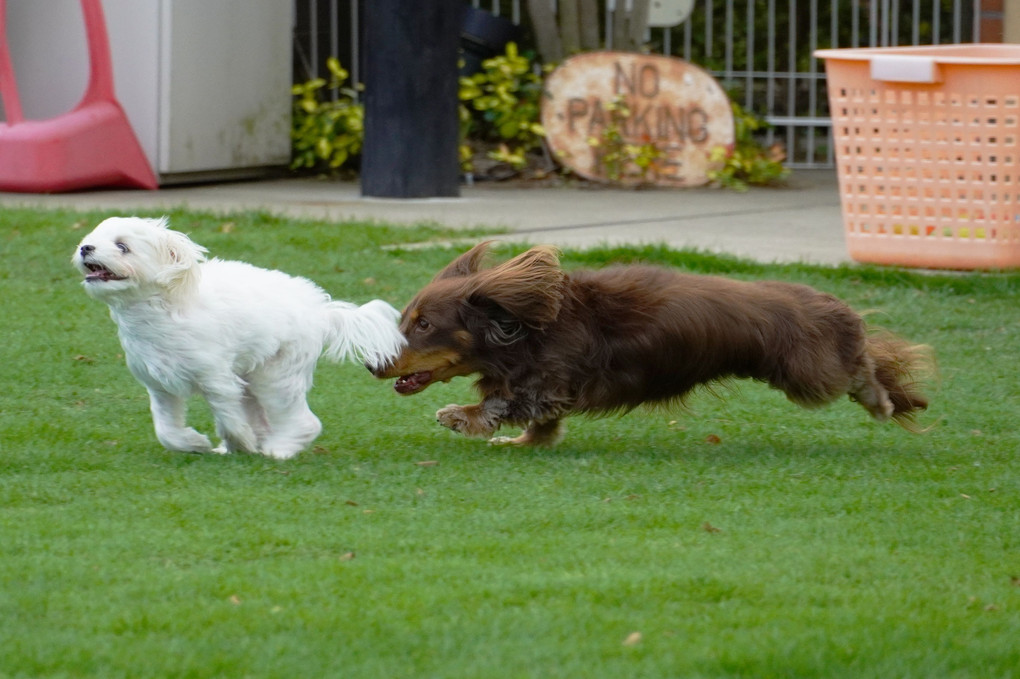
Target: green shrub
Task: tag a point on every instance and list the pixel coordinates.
(500, 109)
(502, 105)
(326, 132)
(748, 162)
(616, 158)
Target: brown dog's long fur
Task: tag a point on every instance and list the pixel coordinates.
(547, 343)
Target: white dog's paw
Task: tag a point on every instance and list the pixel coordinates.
(286, 442)
(243, 440)
(281, 453)
(185, 440)
(220, 450)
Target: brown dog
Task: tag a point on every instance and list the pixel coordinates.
(548, 343)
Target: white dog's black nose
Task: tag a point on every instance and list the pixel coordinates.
(87, 249)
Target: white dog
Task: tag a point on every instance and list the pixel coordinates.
(246, 339)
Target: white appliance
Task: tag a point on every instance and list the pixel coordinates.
(205, 83)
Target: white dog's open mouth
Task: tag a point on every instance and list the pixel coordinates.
(98, 273)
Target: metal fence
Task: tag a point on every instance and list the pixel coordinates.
(760, 50)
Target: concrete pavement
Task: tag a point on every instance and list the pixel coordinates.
(801, 222)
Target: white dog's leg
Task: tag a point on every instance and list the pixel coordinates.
(256, 415)
(232, 424)
(297, 427)
(292, 424)
(169, 417)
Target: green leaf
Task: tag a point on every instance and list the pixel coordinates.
(323, 148)
(338, 71)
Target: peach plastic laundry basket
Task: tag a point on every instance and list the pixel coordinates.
(928, 153)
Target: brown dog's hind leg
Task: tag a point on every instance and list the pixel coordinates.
(537, 434)
(886, 384)
(874, 398)
(869, 392)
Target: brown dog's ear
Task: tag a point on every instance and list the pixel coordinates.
(529, 287)
(466, 264)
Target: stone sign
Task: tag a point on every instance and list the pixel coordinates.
(635, 118)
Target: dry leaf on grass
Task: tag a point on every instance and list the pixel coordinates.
(633, 639)
(427, 463)
(709, 528)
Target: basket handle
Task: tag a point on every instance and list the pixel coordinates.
(905, 68)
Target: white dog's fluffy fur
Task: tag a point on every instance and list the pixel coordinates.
(246, 339)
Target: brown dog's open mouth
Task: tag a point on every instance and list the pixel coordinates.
(100, 273)
(410, 384)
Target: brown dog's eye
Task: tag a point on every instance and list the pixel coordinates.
(423, 324)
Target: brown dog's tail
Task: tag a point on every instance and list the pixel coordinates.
(901, 367)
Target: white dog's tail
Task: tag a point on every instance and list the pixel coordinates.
(367, 333)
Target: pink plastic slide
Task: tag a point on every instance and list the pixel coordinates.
(91, 146)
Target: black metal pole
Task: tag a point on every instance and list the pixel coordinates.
(410, 75)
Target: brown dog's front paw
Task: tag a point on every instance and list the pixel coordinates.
(451, 417)
(537, 434)
(467, 420)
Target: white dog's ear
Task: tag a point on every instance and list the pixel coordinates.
(180, 257)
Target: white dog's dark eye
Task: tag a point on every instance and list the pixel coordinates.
(122, 247)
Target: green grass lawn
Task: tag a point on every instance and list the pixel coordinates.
(742, 538)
